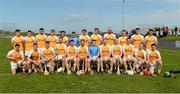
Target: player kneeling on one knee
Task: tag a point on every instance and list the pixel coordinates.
(15, 58)
(35, 59)
(128, 58)
(154, 60)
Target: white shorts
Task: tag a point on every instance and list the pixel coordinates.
(13, 66)
(28, 53)
(154, 64)
(94, 57)
(48, 64)
(59, 57)
(117, 57)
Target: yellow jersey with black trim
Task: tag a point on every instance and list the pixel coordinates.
(52, 40)
(110, 38)
(149, 40)
(98, 39)
(29, 41)
(122, 40)
(41, 40)
(136, 40)
(18, 40)
(86, 38)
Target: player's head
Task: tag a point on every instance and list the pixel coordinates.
(123, 33)
(109, 30)
(18, 32)
(84, 31)
(47, 44)
(35, 46)
(141, 46)
(53, 32)
(96, 30)
(104, 41)
(151, 32)
(63, 33)
(73, 34)
(72, 42)
(82, 42)
(41, 30)
(154, 46)
(29, 32)
(116, 41)
(60, 39)
(128, 41)
(17, 46)
(93, 42)
(137, 31)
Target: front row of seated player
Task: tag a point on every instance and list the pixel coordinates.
(85, 59)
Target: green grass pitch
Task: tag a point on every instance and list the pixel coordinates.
(87, 83)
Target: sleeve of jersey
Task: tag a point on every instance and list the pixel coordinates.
(144, 55)
(52, 50)
(57, 39)
(100, 49)
(9, 53)
(12, 40)
(47, 39)
(159, 55)
(132, 37)
(76, 49)
(114, 36)
(142, 37)
(104, 36)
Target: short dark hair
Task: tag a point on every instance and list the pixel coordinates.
(84, 30)
(96, 29)
(52, 30)
(153, 45)
(71, 40)
(60, 37)
(17, 30)
(82, 40)
(137, 29)
(73, 32)
(35, 44)
(63, 31)
(47, 41)
(128, 38)
(29, 31)
(17, 45)
(123, 31)
(151, 30)
(41, 28)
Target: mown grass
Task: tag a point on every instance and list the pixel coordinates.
(97, 83)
